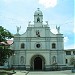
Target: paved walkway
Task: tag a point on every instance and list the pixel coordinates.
(67, 72)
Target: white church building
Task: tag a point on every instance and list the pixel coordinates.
(38, 48)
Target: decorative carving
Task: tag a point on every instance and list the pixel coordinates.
(58, 29)
(18, 29)
(37, 33)
(38, 9)
(47, 22)
(29, 22)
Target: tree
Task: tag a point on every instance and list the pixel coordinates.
(4, 34)
(4, 47)
(72, 61)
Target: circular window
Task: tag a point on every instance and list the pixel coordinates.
(38, 45)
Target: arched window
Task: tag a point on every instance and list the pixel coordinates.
(22, 59)
(54, 59)
(22, 45)
(53, 45)
(66, 61)
(38, 19)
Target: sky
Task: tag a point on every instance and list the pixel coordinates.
(57, 12)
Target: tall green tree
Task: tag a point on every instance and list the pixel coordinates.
(4, 47)
(72, 61)
(4, 34)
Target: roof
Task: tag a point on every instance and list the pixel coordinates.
(9, 42)
(69, 50)
(38, 12)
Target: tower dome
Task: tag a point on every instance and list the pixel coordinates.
(38, 12)
(38, 18)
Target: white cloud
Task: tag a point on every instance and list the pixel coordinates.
(72, 46)
(48, 3)
(54, 31)
(74, 30)
(66, 39)
(8, 1)
(68, 46)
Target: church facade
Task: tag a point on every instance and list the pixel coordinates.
(38, 48)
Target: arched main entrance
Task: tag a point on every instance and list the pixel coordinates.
(37, 62)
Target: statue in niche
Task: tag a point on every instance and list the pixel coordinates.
(37, 33)
(18, 29)
(38, 19)
(22, 60)
(58, 29)
(54, 59)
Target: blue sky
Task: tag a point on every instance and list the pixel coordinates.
(57, 12)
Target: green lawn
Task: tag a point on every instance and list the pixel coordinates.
(3, 74)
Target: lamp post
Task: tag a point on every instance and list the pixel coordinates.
(13, 62)
(8, 60)
(72, 61)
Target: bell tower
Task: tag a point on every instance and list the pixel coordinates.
(38, 18)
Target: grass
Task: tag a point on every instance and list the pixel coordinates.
(6, 72)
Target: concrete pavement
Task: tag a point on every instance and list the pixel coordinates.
(66, 72)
